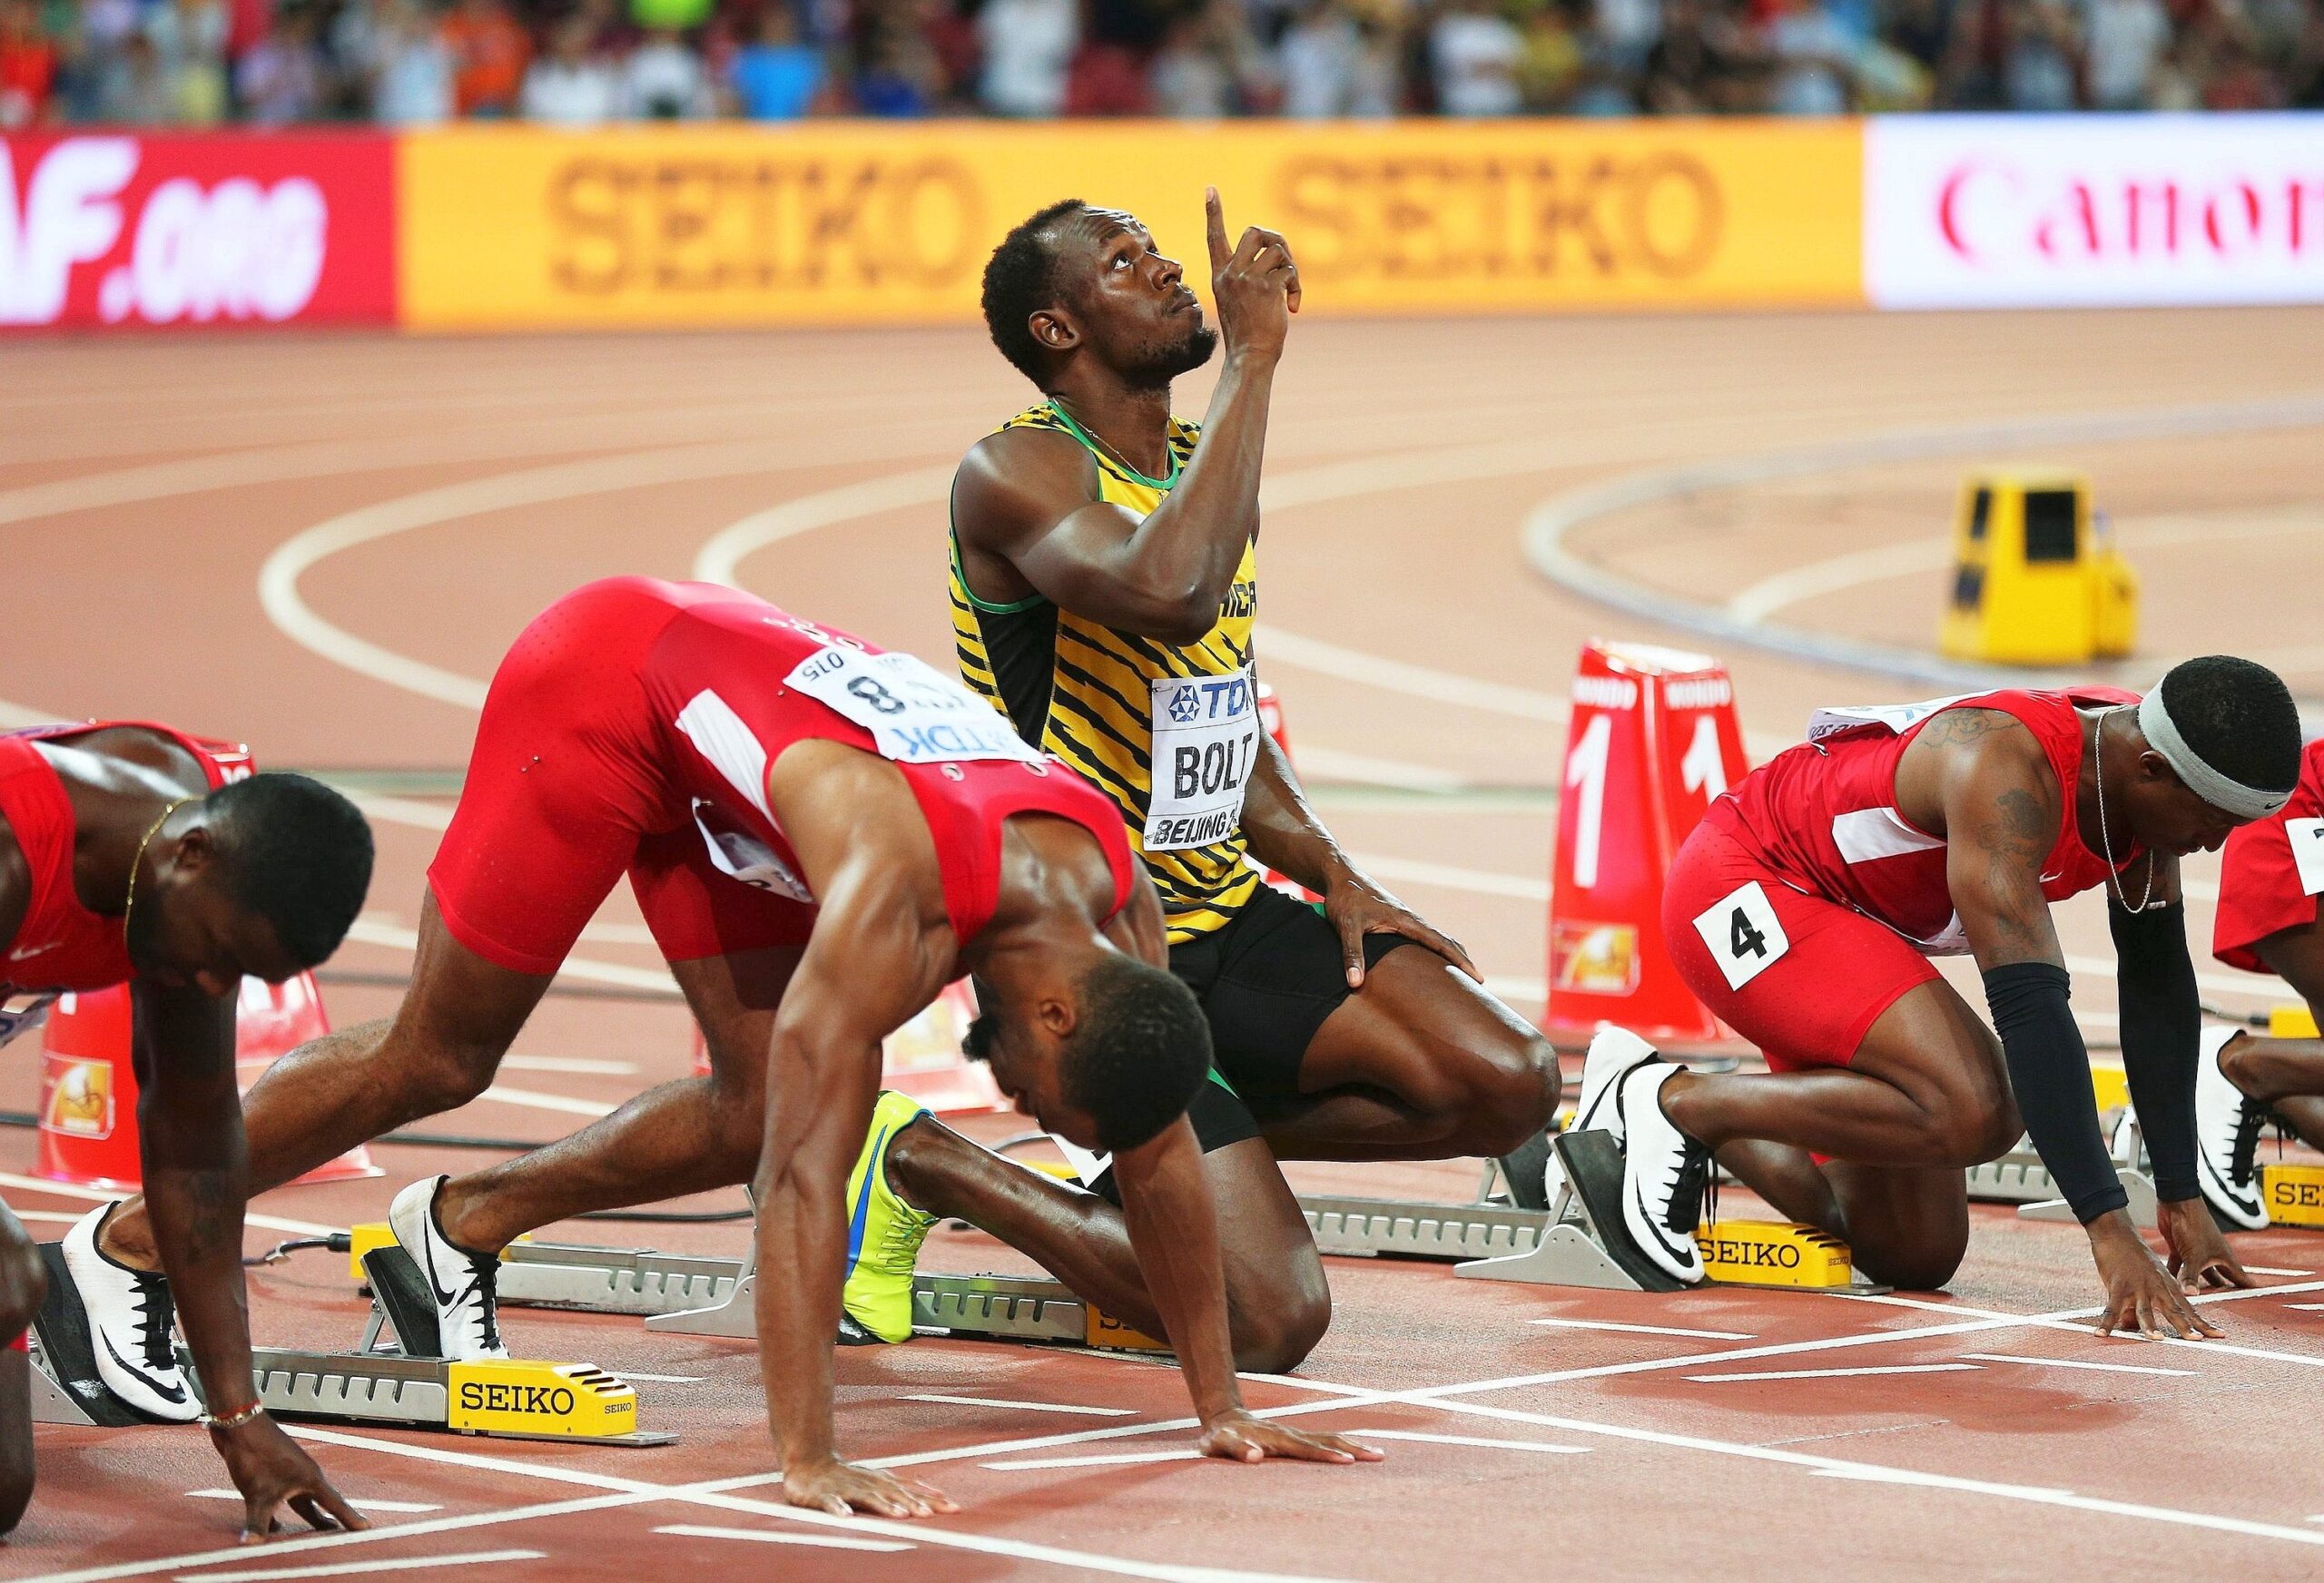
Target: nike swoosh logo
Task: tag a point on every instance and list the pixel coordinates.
(443, 1299)
(24, 955)
(1661, 1235)
(173, 1394)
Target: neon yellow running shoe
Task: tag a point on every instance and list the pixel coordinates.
(883, 1231)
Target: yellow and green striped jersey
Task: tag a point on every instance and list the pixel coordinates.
(1084, 692)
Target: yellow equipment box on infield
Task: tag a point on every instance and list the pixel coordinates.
(1773, 1253)
(2291, 1022)
(2035, 579)
(2294, 1194)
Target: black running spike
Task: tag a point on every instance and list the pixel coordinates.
(68, 1351)
(1593, 1166)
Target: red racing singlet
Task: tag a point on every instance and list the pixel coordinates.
(2271, 873)
(1825, 812)
(61, 944)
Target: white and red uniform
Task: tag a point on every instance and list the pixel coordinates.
(2272, 872)
(1805, 904)
(630, 728)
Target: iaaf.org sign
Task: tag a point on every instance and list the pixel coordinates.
(2008, 212)
(109, 230)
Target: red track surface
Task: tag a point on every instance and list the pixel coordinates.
(143, 486)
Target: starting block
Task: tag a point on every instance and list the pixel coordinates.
(1583, 1242)
(405, 1385)
(691, 1295)
(2294, 1194)
(2291, 1022)
(2131, 1168)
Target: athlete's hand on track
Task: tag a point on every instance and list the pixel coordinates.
(2141, 1294)
(1240, 1438)
(1356, 907)
(2199, 1256)
(840, 1488)
(272, 1471)
(1256, 284)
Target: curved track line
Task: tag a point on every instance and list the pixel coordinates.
(1549, 523)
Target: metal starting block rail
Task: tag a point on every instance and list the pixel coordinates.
(508, 1399)
(2021, 1178)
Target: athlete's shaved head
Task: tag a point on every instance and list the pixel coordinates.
(1074, 279)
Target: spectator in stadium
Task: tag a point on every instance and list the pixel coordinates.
(1814, 59)
(491, 51)
(775, 76)
(1627, 29)
(901, 74)
(1550, 66)
(1474, 52)
(2304, 77)
(410, 65)
(132, 89)
(280, 80)
(662, 80)
(28, 67)
(571, 83)
(2044, 63)
(1207, 67)
(1028, 46)
(188, 40)
(1320, 58)
(2126, 39)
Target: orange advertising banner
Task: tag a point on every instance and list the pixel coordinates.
(863, 223)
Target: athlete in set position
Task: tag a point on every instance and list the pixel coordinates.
(2271, 876)
(126, 854)
(821, 836)
(1104, 590)
(1801, 911)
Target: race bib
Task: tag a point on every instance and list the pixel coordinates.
(1205, 739)
(2307, 838)
(23, 1016)
(1745, 936)
(1899, 718)
(740, 855)
(915, 715)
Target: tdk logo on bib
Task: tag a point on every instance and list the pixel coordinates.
(1205, 739)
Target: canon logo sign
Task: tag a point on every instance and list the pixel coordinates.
(2041, 211)
(126, 230)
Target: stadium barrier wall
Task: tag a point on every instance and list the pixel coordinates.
(481, 228)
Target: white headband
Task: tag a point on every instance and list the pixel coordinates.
(2227, 796)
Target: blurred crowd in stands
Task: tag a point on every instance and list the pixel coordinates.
(404, 63)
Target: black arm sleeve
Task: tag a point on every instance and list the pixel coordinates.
(2163, 1026)
(2048, 1066)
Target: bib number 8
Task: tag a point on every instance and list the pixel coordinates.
(1743, 934)
(877, 696)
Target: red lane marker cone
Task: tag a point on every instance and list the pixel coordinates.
(1652, 740)
(88, 1087)
(1271, 719)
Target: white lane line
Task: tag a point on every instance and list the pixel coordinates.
(759, 1536)
(1021, 1406)
(2078, 1363)
(1662, 1329)
(349, 1568)
(370, 931)
(2064, 1320)
(1454, 1440)
(659, 1379)
(534, 1099)
(1446, 877)
(580, 1066)
(435, 816)
(2264, 1270)
(94, 1196)
(364, 1505)
(2307, 1307)
(61, 1217)
(1111, 1460)
(1838, 1373)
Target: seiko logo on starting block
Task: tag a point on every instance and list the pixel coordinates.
(1111, 1335)
(522, 1396)
(2294, 1194)
(1772, 1253)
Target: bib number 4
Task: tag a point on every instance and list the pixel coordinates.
(1743, 933)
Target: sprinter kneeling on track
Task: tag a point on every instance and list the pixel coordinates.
(2271, 877)
(126, 855)
(1802, 910)
(821, 836)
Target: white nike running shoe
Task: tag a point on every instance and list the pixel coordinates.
(130, 1321)
(1664, 1173)
(1614, 1054)
(465, 1285)
(2227, 1139)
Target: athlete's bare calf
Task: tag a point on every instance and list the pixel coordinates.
(2287, 1075)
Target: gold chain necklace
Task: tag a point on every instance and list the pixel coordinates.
(129, 903)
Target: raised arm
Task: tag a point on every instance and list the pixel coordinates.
(867, 968)
(189, 1125)
(1028, 498)
(2003, 812)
